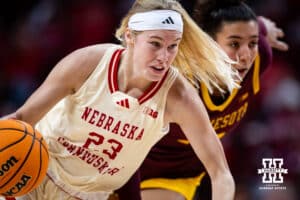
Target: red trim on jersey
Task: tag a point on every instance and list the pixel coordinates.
(113, 70)
(113, 78)
(154, 87)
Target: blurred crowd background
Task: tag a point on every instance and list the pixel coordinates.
(36, 34)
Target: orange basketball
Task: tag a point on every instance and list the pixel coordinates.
(23, 158)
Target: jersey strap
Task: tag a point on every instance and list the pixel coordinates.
(113, 78)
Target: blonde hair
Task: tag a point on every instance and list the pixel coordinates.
(199, 57)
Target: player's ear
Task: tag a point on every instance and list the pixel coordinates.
(129, 37)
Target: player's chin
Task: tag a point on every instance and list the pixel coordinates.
(154, 78)
(156, 75)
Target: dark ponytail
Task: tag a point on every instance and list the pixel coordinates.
(210, 14)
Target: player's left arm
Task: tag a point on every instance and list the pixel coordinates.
(185, 108)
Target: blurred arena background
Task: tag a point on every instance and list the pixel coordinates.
(36, 34)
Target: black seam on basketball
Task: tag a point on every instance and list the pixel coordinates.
(22, 164)
(40, 140)
(40, 167)
(15, 142)
(45, 147)
(15, 129)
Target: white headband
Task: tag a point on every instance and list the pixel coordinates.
(156, 20)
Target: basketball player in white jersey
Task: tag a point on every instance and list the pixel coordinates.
(103, 107)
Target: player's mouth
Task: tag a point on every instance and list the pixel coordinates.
(242, 72)
(157, 69)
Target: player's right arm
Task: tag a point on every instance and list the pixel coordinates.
(65, 79)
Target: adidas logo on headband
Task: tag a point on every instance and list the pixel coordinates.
(156, 20)
(169, 20)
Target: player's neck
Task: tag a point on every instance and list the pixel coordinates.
(130, 81)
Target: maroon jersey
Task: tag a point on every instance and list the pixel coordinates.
(173, 155)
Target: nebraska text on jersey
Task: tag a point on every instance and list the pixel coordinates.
(112, 125)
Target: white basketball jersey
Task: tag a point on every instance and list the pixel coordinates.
(99, 136)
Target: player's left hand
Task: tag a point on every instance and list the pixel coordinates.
(274, 34)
